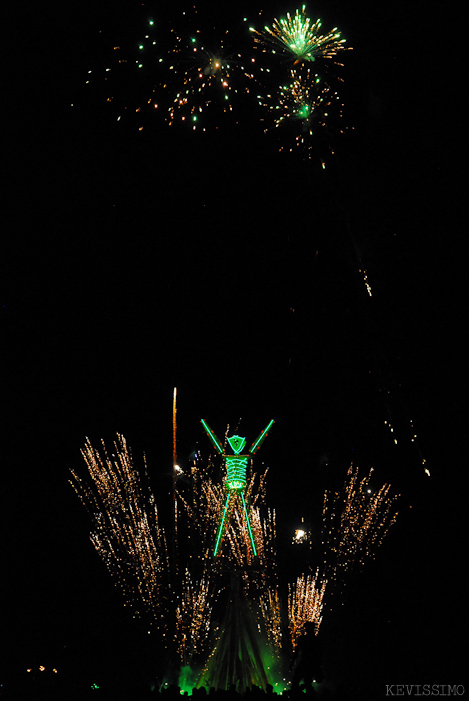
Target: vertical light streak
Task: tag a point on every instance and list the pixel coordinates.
(174, 478)
(175, 459)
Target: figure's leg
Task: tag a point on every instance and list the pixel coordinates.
(222, 525)
(251, 536)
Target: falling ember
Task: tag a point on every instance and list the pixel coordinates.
(365, 280)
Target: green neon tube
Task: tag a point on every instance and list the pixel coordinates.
(260, 439)
(212, 436)
(253, 545)
(221, 527)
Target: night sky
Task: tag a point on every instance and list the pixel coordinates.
(135, 262)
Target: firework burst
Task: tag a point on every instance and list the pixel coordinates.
(207, 73)
(299, 38)
(302, 108)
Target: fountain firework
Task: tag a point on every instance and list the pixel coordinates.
(204, 606)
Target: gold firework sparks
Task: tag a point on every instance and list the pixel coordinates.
(355, 521)
(305, 603)
(126, 532)
(193, 617)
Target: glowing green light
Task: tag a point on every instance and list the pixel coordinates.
(221, 527)
(141, 46)
(251, 537)
(151, 22)
(236, 466)
(260, 438)
(237, 443)
(235, 483)
(304, 111)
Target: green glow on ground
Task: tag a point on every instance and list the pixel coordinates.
(188, 679)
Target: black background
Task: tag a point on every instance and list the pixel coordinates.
(134, 262)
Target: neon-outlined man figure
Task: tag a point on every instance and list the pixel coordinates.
(235, 482)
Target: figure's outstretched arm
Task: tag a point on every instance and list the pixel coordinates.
(260, 438)
(216, 443)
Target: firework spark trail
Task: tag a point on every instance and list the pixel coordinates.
(355, 523)
(305, 603)
(175, 458)
(365, 280)
(299, 38)
(126, 531)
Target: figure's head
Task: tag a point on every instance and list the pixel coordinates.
(237, 443)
